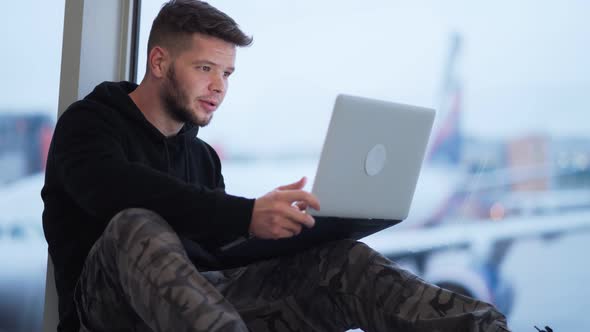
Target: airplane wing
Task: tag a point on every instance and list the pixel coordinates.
(404, 242)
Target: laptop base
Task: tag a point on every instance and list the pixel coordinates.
(249, 250)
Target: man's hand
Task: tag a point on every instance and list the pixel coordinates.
(281, 212)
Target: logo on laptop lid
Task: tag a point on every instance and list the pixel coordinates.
(375, 161)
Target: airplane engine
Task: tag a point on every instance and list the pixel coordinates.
(461, 280)
(473, 283)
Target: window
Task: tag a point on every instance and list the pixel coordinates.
(31, 35)
(510, 150)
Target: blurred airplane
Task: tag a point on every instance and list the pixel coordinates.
(475, 199)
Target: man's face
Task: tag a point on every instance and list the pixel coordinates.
(197, 79)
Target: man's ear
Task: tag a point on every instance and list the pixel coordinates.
(158, 61)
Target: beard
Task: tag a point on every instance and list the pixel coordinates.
(177, 102)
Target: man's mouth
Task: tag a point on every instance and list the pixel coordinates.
(208, 105)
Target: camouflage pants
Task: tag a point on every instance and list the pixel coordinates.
(138, 277)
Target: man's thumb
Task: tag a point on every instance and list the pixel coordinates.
(295, 185)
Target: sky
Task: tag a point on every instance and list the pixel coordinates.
(31, 40)
(524, 66)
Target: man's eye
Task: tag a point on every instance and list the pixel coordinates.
(205, 68)
(226, 73)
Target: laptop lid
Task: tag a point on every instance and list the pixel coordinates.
(371, 158)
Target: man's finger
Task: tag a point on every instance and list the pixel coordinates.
(300, 206)
(285, 233)
(300, 196)
(291, 226)
(298, 216)
(295, 185)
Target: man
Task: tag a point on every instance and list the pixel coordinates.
(135, 205)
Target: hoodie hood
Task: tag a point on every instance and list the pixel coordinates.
(115, 95)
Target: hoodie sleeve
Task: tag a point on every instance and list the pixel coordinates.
(96, 173)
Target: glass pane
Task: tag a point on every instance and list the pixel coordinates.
(31, 57)
(502, 207)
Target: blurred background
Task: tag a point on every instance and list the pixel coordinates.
(502, 207)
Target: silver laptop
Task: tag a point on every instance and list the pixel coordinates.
(365, 181)
(371, 158)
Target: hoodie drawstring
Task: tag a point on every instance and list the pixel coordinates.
(187, 171)
(167, 153)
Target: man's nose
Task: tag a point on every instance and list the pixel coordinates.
(217, 84)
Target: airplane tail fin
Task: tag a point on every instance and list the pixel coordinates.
(447, 141)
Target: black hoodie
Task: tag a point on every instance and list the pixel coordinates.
(105, 156)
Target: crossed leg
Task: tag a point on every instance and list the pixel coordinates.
(138, 277)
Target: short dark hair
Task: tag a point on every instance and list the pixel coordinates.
(179, 19)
